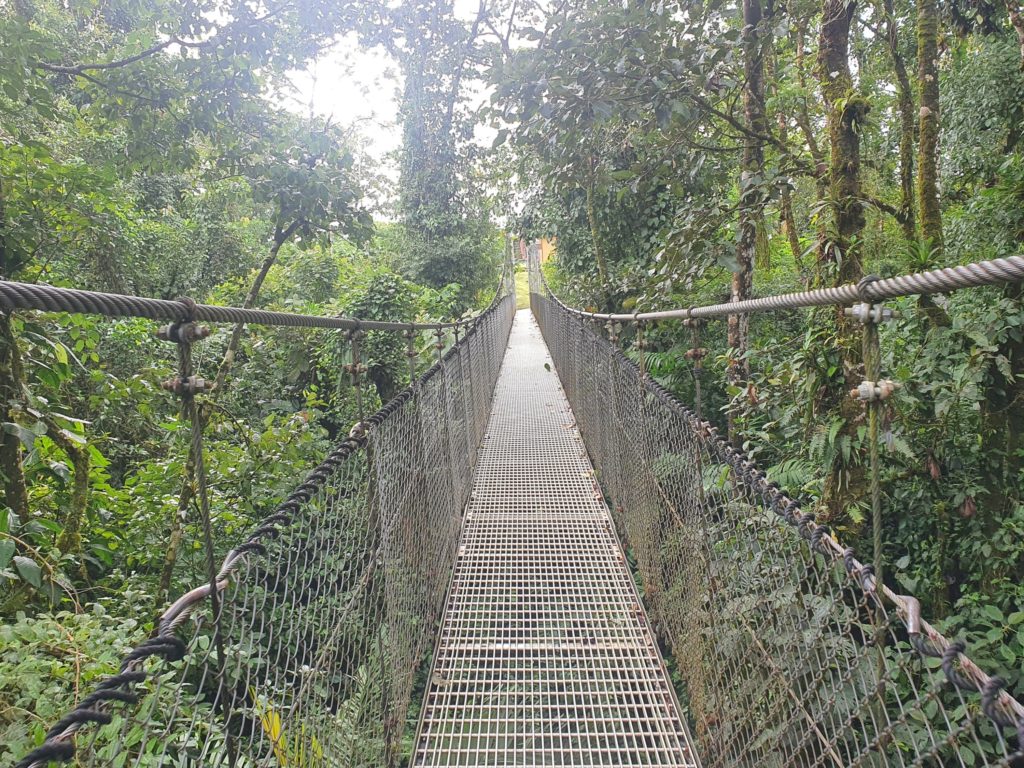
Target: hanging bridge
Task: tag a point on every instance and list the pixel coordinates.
(497, 568)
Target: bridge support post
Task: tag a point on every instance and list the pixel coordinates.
(696, 353)
(872, 392)
(187, 385)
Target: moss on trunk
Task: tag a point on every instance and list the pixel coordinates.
(846, 111)
(928, 119)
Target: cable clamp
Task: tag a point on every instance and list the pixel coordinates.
(184, 332)
(870, 313)
(870, 391)
(189, 386)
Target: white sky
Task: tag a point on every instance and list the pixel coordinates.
(355, 87)
(361, 88)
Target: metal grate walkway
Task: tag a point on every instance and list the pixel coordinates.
(544, 656)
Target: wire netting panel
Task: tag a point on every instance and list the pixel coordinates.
(544, 656)
(327, 613)
(787, 657)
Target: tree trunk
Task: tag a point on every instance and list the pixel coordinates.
(70, 539)
(791, 232)
(803, 121)
(281, 236)
(786, 218)
(928, 150)
(845, 113)
(12, 382)
(928, 141)
(751, 195)
(908, 125)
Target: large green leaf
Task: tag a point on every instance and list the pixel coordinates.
(29, 570)
(7, 548)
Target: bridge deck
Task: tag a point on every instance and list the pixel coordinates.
(545, 656)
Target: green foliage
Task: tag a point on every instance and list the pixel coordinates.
(143, 150)
(49, 660)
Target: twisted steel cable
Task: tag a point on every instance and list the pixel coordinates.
(49, 298)
(870, 289)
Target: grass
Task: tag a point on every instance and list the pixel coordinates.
(522, 288)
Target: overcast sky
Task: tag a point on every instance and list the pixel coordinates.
(358, 87)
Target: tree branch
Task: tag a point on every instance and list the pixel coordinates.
(892, 210)
(81, 69)
(799, 164)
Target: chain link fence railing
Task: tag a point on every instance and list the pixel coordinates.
(306, 653)
(791, 653)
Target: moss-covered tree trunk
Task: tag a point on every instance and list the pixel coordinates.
(751, 194)
(806, 126)
(787, 220)
(11, 385)
(928, 121)
(845, 111)
(70, 539)
(907, 122)
(12, 379)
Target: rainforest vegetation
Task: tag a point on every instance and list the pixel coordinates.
(677, 153)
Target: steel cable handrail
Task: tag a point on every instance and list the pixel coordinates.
(50, 298)
(871, 289)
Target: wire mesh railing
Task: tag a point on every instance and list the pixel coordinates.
(306, 652)
(791, 653)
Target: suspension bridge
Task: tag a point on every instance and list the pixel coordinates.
(451, 586)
